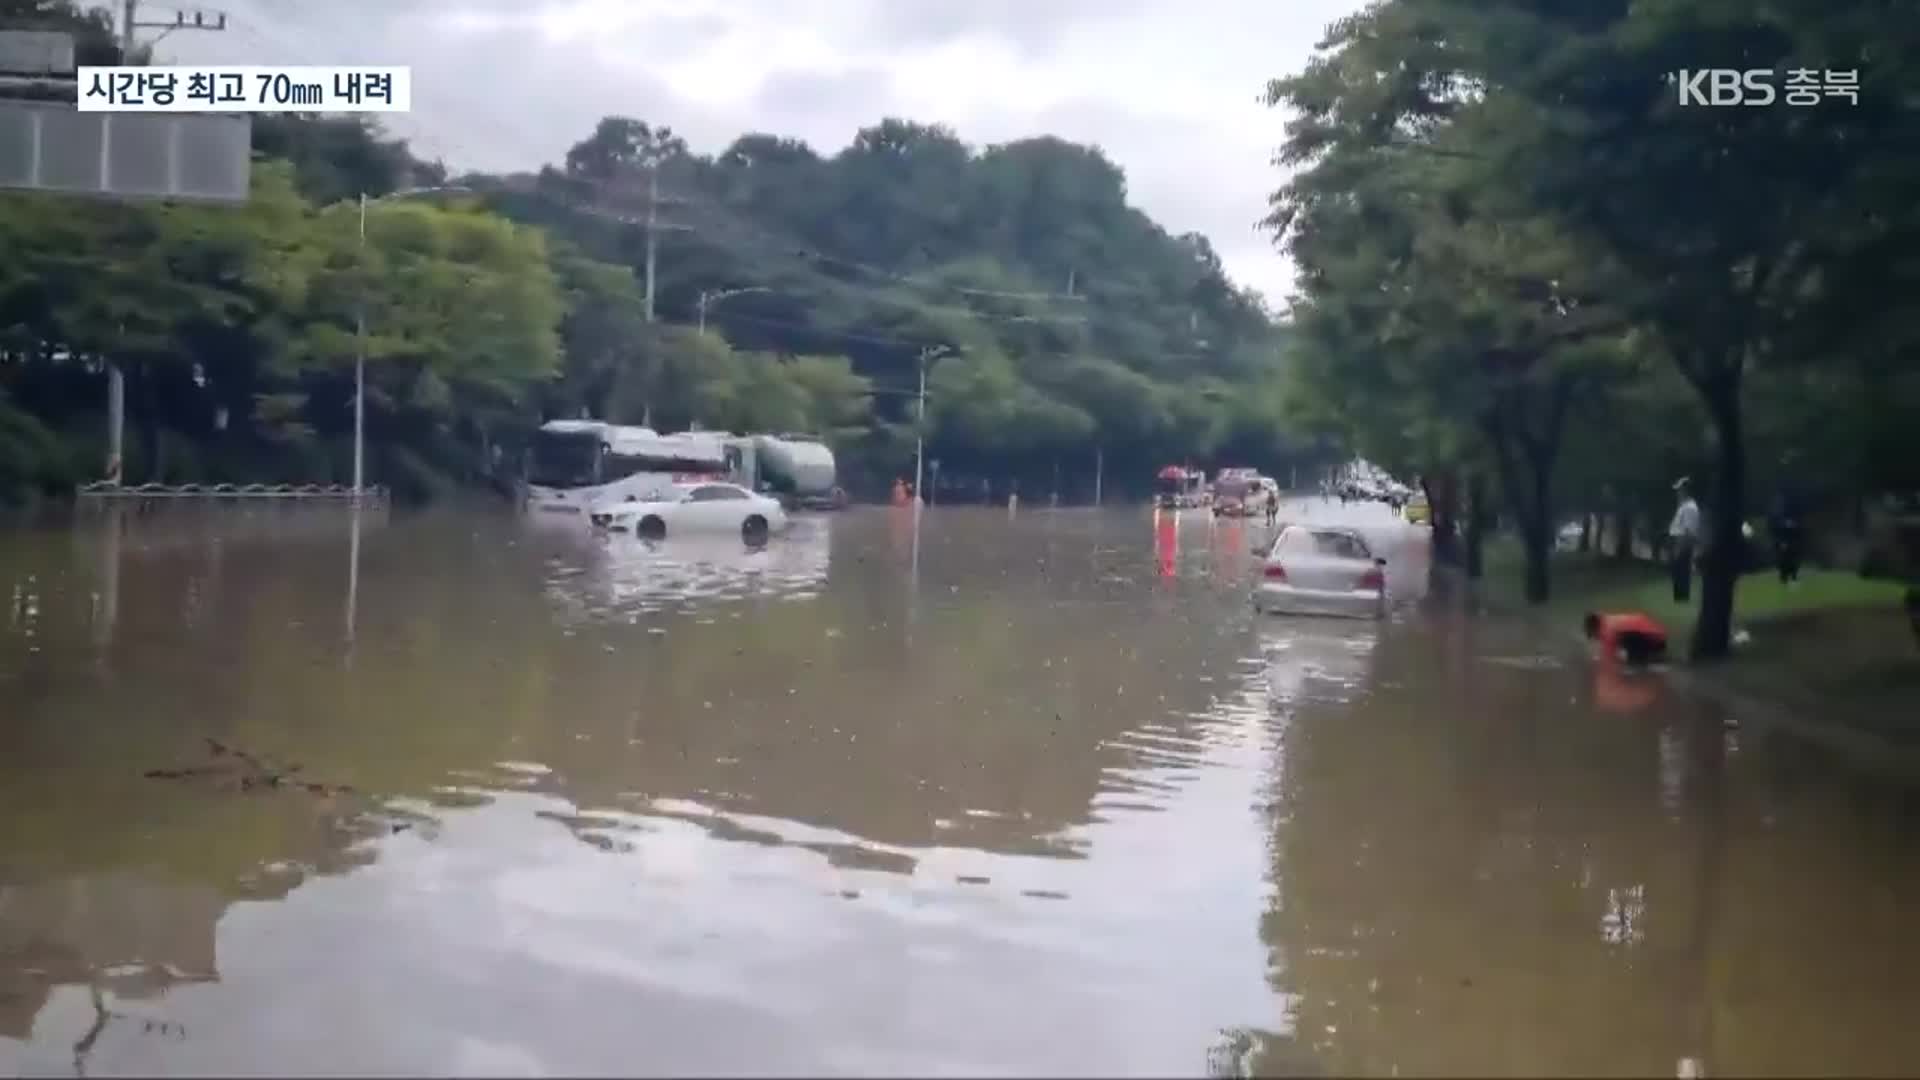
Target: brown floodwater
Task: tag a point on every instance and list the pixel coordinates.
(1004, 794)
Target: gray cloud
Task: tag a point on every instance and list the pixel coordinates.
(1031, 26)
(816, 104)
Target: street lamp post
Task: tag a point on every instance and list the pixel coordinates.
(927, 356)
(360, 332)
(708, 298)
(360, 364)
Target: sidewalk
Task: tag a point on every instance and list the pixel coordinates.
(1832, 661)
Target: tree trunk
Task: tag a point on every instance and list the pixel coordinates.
(1442, 503)
(1537, 537)
(1586, 533)
(1527, 479)
(1720, 576)
(1476, 525)
(156, 447)
(1536, 525)
(1623, 536)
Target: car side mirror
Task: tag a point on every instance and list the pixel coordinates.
(1381, 563)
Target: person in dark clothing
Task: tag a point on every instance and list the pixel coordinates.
(1787, 527)
(1273, 507)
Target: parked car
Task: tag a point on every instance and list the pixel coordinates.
(695, 508)
(1418, 511)
(1316, 570)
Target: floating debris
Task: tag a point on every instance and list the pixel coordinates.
(236, 768)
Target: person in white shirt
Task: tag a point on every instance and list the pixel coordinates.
(1683, 539)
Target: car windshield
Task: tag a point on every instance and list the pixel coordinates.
(1322, 544)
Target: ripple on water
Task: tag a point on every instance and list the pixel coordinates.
(1022, 815)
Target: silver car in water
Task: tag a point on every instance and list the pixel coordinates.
(1321, 570)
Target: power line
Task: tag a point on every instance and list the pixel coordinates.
(869, 269)
(790, 248)
(907, 343)
(845, 335)
(728, 219)
(1110, 293)
(875, 271)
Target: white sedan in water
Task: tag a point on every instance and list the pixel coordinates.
(1321, 570)
(704, 509)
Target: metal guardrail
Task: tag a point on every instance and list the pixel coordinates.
(106, 489)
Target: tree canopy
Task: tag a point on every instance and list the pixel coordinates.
(793, 290)
(1075, 325)
(1513, 230)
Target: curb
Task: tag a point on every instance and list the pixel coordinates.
(1861, 749)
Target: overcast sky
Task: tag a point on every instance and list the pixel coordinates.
(1167, 87)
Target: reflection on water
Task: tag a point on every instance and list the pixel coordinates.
(603, 577)
(951, 791)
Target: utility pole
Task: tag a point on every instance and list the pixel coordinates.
(920, 429)
(116, 378)
(130, 21)
(360, 333)
(653, 231)
(653, 225)
(927, 356)
(360, 368)
(1099, 467)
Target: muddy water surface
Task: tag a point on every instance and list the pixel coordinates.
(1003, 794)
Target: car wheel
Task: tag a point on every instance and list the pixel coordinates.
(652, 528)
(754, 530)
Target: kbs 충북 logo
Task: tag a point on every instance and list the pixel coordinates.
(1764, 86)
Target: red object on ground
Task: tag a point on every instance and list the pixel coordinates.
(1632, 622)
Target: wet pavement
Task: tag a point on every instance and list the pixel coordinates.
(1009, 793)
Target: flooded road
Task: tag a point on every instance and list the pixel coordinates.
(1005, 794)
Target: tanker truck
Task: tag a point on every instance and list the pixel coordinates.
(798, 469)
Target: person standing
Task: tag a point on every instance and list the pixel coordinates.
(1787, 527)
(1683, 537)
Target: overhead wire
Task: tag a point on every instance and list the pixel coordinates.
(288, 11)
(728, 218)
